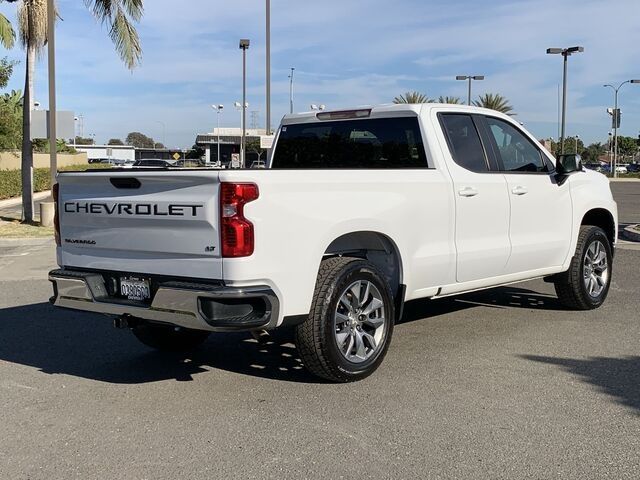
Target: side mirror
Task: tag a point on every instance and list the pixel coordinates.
(568, 163)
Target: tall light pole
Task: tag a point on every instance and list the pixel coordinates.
(576, 138)
(566, 53)
(218, 109)
(244, 46)
(291, 90)
(469, 78)
(616, 122)
(164, 133)
(51, 44)
(268, 68)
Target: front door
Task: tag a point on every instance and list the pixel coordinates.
(541, 209)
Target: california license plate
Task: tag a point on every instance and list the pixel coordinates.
(135, 289)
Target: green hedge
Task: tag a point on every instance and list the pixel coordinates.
(11, 180)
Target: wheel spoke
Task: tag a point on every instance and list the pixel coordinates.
(349, 343)
(370, 339)
(355, 295)
(374, 322)
(341, 337)
(374, 305)
(344, 300)
(361, 349)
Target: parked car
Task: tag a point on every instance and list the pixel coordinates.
(360, 211)
(258, 164)
(633, 168)
(152, 163)
(621, 169)
(190, 163)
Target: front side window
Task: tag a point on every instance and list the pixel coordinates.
(464, 142)
(351, 144)
(517, 152)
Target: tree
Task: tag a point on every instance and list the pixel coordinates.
(196, 153)
(7, 33)
(593, 152)
(451, 100)
(412, 97)
(6, 70)
(10, 120)
(627, 146)
(84, 141)
(494, 102)
(253, 146)
(115, 141)
(140, 140)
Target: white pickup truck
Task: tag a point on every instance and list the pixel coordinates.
(359, 212)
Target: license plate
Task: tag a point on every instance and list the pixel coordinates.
(135, 289)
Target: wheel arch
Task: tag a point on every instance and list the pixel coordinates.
(375, 247)
(601, 217)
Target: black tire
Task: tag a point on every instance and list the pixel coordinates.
(570, 286)
(315, 338)
(167, 338)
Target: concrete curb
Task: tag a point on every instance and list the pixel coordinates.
(631, 234)
(624, 180)
(12, 202)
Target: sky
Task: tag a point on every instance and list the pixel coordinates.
(346, 53)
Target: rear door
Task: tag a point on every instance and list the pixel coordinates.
(151, 222)
(541, 208)
(482, 203)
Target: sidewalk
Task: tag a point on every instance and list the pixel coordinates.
(12, 202)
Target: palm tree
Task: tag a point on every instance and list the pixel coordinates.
(7, 34)
(117, 15)
(494, 102)
(412, 97)
(451, 100)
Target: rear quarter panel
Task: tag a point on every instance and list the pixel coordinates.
(299, 213)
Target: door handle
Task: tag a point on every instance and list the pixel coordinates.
(468, 192)
(519, 190)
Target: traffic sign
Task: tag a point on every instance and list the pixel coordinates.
(176, 156)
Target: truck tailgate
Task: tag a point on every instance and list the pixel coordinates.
(152, 222)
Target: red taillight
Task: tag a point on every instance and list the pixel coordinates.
(56, 215)
(236, 231)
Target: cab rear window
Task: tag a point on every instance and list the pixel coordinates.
(384, 143)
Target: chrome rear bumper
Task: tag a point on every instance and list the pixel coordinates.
(182, 303)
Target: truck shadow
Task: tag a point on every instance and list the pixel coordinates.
(617, 377)
(67, 342)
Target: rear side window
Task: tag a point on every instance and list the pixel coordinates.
(351, 144)
(464, 142)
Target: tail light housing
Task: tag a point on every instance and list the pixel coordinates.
(237, 236)
(56, 216)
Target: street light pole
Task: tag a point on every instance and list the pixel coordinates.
(291, 91)
(244, 45)
(469, 78)
(268, 69)
(51, 43)
(565, 52)
(164, 133)
(218, 109)
(614, 165)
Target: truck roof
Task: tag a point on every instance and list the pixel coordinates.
(382, 111)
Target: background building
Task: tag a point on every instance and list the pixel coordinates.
(230, 139)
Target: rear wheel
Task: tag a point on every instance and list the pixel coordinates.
(586, 284)
(167, 338)
(349, 328)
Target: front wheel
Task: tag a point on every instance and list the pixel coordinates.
(349, 327)
(586, 284)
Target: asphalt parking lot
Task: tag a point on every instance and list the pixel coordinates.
(496, 384)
